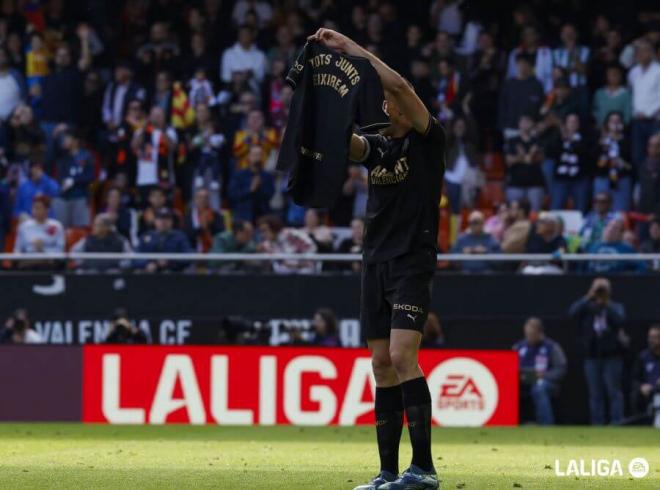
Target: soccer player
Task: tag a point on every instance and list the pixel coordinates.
(406, 167)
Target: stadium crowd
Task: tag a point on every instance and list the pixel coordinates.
(129, 126)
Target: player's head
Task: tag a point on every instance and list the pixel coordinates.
(533, 330)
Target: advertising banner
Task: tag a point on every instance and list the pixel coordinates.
(284, 385)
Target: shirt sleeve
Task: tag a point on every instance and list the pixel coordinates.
(435, 133)
(370, 115)
(296, 71)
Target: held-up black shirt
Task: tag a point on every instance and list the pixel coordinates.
(332, 92)
(405, 187)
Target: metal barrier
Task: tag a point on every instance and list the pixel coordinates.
(262, 257)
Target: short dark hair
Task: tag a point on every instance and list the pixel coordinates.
(43, 199)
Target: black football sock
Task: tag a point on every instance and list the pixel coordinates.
(389, 424)
(417, 402)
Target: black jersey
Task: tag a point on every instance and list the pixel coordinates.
(332, 92)
(405, 187)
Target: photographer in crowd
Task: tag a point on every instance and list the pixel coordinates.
(601, 322)
(123, 331)
(17, 330)
(646, 377)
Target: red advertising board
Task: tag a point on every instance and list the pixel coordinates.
(284, 385)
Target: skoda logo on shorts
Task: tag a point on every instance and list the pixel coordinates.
(411, 308)
(464, 393)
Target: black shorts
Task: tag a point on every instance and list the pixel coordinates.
(396, 293)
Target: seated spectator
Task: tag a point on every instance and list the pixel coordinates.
(652, 245)
(596, 221)
(103, 239)
(325, 329)
(39, 235)
(320, 234)
(164, 239)
(433, 336)
(251, 189)
(17, 330)
(545, 236)
(517, 227)
(157, 200)
(612, 243)
(475, 241)
(240, 240)
(613, 97)
(496, 223)
(601, 332)
(38, 184)
(523, 158)
(76, 170)
(202, 222)
(353, 245)
(274, 238)
(254, 134)
(572, 177)
(646, 376)
(542, 366)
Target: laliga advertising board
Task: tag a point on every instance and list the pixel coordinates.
(284, 385)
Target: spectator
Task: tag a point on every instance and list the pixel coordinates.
(613, 97)
(76, 171)
(462, 177)
(518, 226)
(613, 244)
(542, 366)
(251, 189)
(541, 57)
(354, 244)
(38, 184)
(157, 200)
(17, 330)
(123, 217)
(476, 241)
(284, 48)
(649, 178)
(162, 93)
(523, 158)
(202, 222)
(520, 95)
(433, 336)
(601, 324)
(597, 220)
(646, 375)
(239, 240)
(262, 10)
(164, 239)
(25, 139)
(614, 170)
(244, 57)
(118, 94)
(274, 238)
(644, 80)
(39, 235)
(319, 233)
(497, 222)
(574, 58)
(206, 145)
(545, 237)
(154, 146)
(12, 86)
(573, 169)
(159, 53)
(103, 239)
(201, 89)
(325, 333)
(254, 134)
(652, 245)
(123, 331)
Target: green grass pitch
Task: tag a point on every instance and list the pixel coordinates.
(96, 456)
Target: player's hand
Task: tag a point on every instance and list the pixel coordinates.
(331, 39)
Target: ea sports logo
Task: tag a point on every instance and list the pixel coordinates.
(464, 392)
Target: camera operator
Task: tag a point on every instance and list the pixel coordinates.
(17, 330)
(124, 332)
(601, 322)
(646, 377)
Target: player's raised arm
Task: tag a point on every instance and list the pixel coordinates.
(406, 98)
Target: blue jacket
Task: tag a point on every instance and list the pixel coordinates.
(173, 241)
(79, 167)
(484, 240)
(609, 319)
(29, 189)
(617, 266)
(546, 356)
(246, 205)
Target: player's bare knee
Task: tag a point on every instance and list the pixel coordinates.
(381, 363)
(403, 361)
